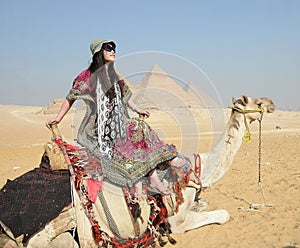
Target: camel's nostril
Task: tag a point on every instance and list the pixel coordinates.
(271, 109)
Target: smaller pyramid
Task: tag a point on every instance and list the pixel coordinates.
(53, 107)
(198, 98)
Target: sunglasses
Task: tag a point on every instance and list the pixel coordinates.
(109, 48)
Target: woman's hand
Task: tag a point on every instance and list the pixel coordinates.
(144, 112)
(51, 120)
(67, 104)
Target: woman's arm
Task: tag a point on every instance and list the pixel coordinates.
(132, 105)
(67, 104)
(134, 108)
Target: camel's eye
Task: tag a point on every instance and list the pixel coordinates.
(259, 104)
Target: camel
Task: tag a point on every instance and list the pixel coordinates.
(214, 165)
(218, 160)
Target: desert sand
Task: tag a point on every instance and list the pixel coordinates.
(277, 224)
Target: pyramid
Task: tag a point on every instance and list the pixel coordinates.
(162, 90)
(198, 98)
(141, 102)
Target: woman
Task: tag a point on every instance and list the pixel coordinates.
(127, 148)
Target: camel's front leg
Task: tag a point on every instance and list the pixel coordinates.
(195, 220)
(186, 219)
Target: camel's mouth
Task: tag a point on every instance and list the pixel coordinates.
(268, 104)
(271, 109)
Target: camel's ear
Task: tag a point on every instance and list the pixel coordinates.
(233, 99)
(244, 100)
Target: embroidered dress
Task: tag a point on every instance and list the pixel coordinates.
(127, 147)
(110, 121)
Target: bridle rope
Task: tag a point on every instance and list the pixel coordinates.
(259, 148)
(254, 206)
(244, 112)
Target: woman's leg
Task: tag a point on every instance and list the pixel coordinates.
(180, 165)
(178, 162)
(156, 183)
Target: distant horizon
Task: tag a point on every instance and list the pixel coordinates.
(138, 84)
(23, 105)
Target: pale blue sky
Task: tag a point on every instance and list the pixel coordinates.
(245, 47)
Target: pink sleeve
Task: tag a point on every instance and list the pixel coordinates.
(81, 85)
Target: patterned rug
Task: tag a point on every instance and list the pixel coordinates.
(30, 201)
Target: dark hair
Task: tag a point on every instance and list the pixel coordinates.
(97, 70)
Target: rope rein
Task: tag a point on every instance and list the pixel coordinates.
(259, 148)
(254, 206)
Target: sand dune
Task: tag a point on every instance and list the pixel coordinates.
(23, 135)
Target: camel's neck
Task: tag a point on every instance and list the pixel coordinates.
(222, 155)
(234, 135)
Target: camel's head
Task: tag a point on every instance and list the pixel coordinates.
(253, 106)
